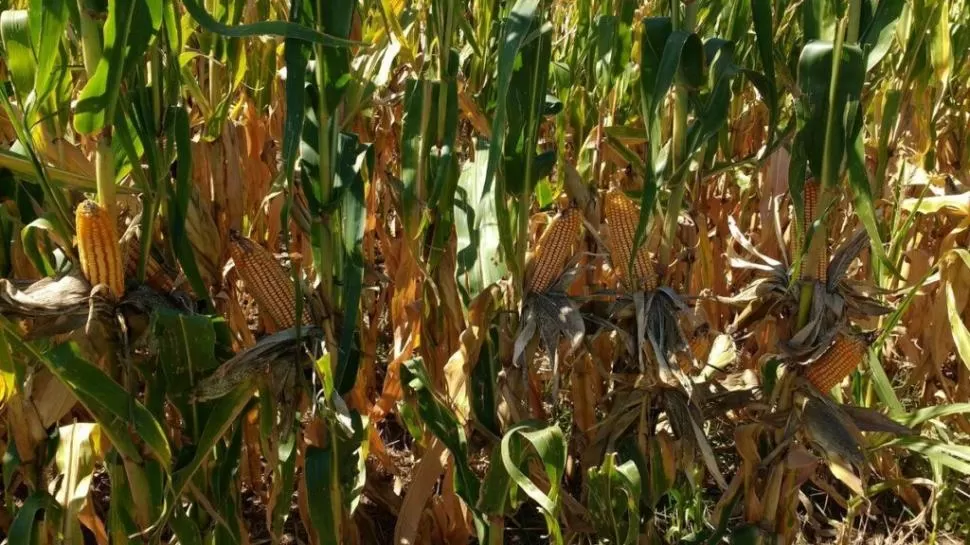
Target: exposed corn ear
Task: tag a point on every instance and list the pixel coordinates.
(811, 196)
(810, 199)
(98, 247)
(623, 215)
(837, 362)
(553, 250)
(266, 281)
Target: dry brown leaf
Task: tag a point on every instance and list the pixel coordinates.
(406, 321)
(423, 480)
(458, 369)
(233, 178)
(51, 398)
(773, 494)
(25, 427)
(90, 520)
(585, 392)
(844, 473)
(474, 114)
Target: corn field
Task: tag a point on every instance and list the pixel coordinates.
(484, 271)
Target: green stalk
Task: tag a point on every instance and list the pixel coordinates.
(855, 13)
(215, 81)
(105, 173)
(324, 140)
(496, 531)
(421, 194)
(92, 51)
(444, 42)
(678, 143)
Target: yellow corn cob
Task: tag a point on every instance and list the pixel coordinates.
(811, 210)
(98, 247)
(553, 250)
(622, 215)
(837, 362)
(266, 281)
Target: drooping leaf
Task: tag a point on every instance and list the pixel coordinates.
(764, 35)
(878, 36)
(550, 446)
(284, 29)
(23, 526)
(114, 408)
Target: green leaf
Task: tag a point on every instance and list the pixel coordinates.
(953, 456)
(526, 108)
(126, 35)
(22, 528)
(37, 238)
(684, 53)
(441, 421)
(48, 19)
(819, 19)
(550, 446)
(514, 34)
(479, 256)
(322, 486)
(880, 380)
(681, 53)
(284, 473)
(113, 408)
(494, 497)
(185, 529)
(926, 414)
(295, 57)
(614, 500)
(283, 29)
(878, 36)
(354, 161)
(222, 416)
(19, 54)
(815, 79)
(864, 209)
(416, 138)
(53, 198)
(186, 347)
